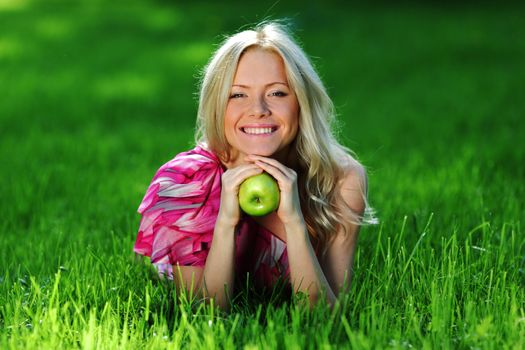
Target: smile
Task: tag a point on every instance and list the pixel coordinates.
(259, 131)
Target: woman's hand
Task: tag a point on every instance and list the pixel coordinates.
(229, 211)
(289, 210)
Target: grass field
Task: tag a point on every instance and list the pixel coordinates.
(95, 96)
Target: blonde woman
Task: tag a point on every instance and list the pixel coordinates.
(262, 108)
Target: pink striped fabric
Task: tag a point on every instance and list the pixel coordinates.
(179, 212)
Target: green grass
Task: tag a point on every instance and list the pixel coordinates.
(95, 96)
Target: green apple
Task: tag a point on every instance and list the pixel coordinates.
(259, 195)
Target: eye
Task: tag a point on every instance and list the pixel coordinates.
(236, 95)
(278, 93)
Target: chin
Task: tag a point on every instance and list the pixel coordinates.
(279, 154)
(263, 152)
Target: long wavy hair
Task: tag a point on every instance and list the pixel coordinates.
(322, 160)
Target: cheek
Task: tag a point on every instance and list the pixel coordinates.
(295, 130)
(231, 113)
(229, 118)
(293, 118)
(295, 125)
(230, 122)
(288, 111)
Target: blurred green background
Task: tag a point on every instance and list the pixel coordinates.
(96, 95)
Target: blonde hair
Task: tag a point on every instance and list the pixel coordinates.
(322, 159)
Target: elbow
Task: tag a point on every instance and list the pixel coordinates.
(311, 299)
(214, 298)
(324, 300)
(223, 305)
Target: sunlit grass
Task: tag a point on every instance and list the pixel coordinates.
(13, 5)
(95, 98)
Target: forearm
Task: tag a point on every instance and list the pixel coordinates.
(219, 270)
(305, 272)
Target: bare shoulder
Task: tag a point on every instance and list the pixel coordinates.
(354, 185)
(338, 260)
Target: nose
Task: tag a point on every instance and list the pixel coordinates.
(259, 108)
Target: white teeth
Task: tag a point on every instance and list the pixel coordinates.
(258, 131)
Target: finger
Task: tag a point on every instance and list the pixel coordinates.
(276, 164)
(283, 180)
(246, 172)
(240, 169)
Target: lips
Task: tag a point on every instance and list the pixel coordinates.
(259, 129)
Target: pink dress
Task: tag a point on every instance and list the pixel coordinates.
(179, 212)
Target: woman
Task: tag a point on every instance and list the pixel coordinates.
(262, 108)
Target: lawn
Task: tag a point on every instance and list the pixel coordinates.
(96, 95)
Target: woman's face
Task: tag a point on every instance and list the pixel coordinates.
(262, 114)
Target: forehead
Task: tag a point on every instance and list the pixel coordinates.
(260, 65)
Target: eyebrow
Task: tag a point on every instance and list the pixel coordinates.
(274, 83)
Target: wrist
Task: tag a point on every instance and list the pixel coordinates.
(225, 224)
(295, 226)
(294, 223)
